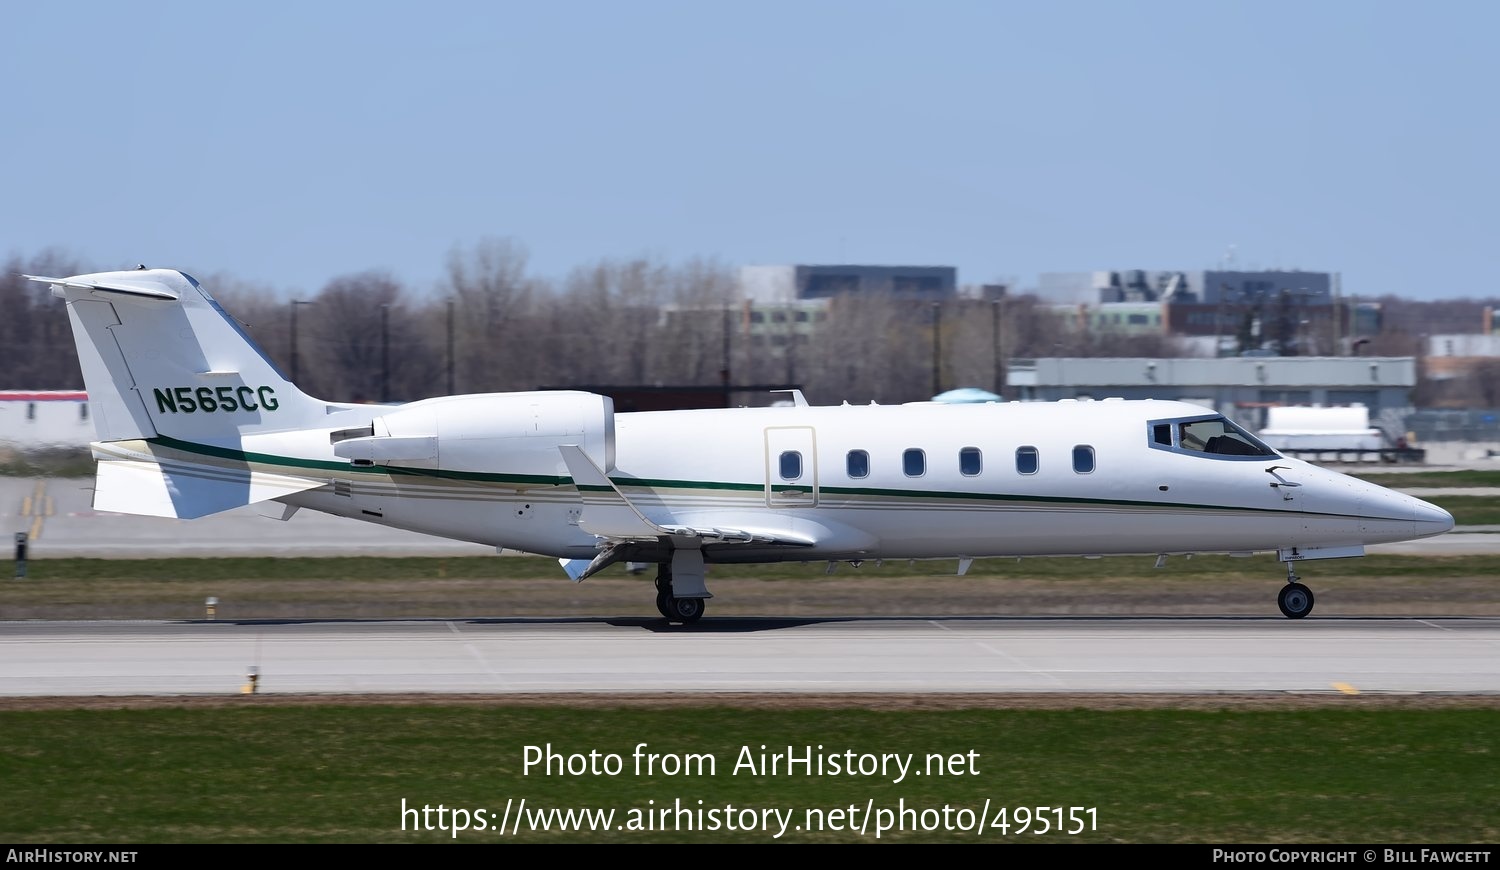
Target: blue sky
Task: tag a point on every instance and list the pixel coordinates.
(285, 144)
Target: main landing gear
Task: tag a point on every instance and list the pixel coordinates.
(1294, 599)
(681, 610)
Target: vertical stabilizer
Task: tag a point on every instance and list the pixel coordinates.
(161, 358)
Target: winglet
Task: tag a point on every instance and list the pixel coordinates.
(606, 512)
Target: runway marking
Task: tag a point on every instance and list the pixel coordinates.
(494, 675)
(1346, 688)
(1022, 664)
(1434, 625)
(478, 656)
(38, 506)
(935, 624)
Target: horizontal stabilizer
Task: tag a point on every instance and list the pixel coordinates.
(185, 491)
(145, 290)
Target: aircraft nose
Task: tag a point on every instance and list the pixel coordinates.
(1431, 519)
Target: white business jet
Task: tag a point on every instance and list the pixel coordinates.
(194, 419)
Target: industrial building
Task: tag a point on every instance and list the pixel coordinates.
(785, 285)
(44, 419)
(1288, 312)
(1239, 387)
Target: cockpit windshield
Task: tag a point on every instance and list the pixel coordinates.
(1212, 436)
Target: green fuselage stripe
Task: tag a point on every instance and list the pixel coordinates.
(722, 486)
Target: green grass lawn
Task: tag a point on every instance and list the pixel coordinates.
(1460, 477)
(332, 773)
(1469, 510)
(381, 588)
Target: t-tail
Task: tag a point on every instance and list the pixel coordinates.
(175, 387)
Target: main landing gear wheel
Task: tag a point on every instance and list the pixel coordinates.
(1295, 600)
(684, 610)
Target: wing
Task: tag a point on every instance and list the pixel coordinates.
(610, 515)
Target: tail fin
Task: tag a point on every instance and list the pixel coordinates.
(161, 358)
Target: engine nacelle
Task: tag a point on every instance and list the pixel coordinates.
(488, 433)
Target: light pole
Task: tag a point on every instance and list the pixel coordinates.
(292, 338)
(995, 342)
(385, 353)
(937, 347)
(724, 367)
(451, 391)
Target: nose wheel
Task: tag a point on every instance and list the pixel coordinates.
(1294, 599)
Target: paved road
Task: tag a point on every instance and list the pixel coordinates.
(974, 654)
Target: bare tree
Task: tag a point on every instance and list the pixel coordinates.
(36, 343)
(260, 311)
(868, 348)
(690, 332)
(367, 343)
(494, 299)
(613, 310)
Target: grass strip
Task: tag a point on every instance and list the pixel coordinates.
(339, 774)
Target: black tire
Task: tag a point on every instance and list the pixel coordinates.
(685, 610)
(664, 604)
(1295, 600)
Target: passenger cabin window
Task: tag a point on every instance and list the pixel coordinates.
(857, 463)
(791, 465)
(914, 462)
(970, 461)
(1026, 460)
(1083, 459)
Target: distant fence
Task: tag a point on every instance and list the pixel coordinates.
(1475, 424)
(1388, 455)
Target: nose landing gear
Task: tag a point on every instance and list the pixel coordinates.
(1294, 599)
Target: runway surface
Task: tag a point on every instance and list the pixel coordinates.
(856, 655)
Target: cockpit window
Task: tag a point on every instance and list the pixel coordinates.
(1211, 436)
